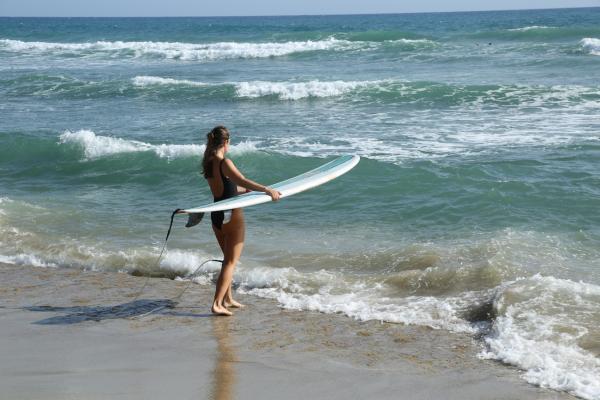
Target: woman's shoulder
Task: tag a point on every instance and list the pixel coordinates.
(228, 166)
(227, 161)
(217, 162)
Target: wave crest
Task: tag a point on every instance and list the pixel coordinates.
(177, 50)
(299, 90)
(95, 146)
(256, 89)
(530, 28)
(591, 46)
(143, 81)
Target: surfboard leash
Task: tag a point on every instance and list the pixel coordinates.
(146, 280)
(178, 297)
(157, 263)
(193, 219)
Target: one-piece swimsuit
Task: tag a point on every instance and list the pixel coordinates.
(229, 191)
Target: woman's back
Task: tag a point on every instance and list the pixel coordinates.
(220, 185)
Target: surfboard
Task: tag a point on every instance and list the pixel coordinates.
(289, 187)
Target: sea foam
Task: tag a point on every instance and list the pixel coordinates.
(299, 90)
(95, 146)
(542, 326)
(177, 50)
(254, 89)
(157, 81)
(27, 259)
(591, 45)
(530, 28)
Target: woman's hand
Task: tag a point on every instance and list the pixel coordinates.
(232, 172)
(273, 193)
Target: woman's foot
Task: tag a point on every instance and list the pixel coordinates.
(233, 303)
(220, 310)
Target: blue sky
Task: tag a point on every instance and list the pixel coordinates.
(99, 8)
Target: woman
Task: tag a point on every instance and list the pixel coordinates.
(226, 181)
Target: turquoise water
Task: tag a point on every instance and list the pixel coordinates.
(474, 207)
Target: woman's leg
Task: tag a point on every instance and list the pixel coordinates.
(228, 301)
(220, 235)
(234, 233)
(238, 218)
(220, 238)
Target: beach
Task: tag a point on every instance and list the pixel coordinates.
(70, 345)
(459, 258)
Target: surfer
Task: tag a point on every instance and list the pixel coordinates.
(226, 181)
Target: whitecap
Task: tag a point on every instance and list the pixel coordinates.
(299, 90)
(95, 146)
(591, 45)
(283, 90)
(530, 28)
(178, 50)
(157, 81)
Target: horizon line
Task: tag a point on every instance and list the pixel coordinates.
(295, 15)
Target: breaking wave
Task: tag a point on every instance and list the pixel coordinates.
(156, 80)
(175, 50)
(299, 90)
(591, 46)
(491, 286)
(549, 328)
(256, 89)
(530, 28)
(389, 90)
(95, 146)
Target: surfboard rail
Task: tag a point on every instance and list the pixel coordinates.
(288, 187)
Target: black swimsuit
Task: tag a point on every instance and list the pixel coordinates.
(229, 191)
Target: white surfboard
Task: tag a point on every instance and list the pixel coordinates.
(289, 187)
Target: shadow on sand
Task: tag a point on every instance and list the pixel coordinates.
(137, 308)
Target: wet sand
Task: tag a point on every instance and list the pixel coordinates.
(72, 334)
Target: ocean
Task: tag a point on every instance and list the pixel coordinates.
(474, 207)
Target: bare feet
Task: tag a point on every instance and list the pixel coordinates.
(233, 303)
(220, 310)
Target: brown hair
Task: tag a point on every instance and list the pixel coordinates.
(215, 139)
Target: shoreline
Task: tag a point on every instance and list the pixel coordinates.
(70, 333)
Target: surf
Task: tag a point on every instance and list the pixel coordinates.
(173, 50)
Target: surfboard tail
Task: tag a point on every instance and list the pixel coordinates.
(194, 219)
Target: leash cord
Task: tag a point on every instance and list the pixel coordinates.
(157, 263)
(147, 279)
(178, 297)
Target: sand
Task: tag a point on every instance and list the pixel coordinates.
(69, 334)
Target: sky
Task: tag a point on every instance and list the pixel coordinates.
(167, 8)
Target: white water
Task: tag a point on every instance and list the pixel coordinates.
(144, 81)
(591, 45)
(177, 50)
(531, 28)
(545, 325)
(95, 146)
(255, 89)
(541, 326)
(300, 90)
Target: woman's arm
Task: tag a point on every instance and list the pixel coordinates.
(236, 176)
(242, 190)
